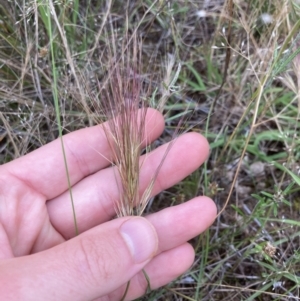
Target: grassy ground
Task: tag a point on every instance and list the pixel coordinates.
(239, 71)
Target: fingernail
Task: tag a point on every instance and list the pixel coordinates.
(140, 237)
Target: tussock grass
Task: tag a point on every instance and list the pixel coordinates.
(252, 123)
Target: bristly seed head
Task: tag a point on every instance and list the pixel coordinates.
(125, 106)
(124, 100)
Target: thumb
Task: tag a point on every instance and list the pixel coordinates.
(87, 267)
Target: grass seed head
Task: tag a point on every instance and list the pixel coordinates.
(125, 105)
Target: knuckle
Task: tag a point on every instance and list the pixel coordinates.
(96, 262)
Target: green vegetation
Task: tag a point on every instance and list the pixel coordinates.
(240, 74)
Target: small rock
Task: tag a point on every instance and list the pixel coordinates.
(257, 168)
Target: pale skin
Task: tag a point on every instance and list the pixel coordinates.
(41, 258)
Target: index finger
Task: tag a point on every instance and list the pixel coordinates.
(87, 151)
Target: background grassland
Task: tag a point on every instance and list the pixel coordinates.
(240, 72)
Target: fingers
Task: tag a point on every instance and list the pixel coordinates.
(163, 269)
(84, 268)
(24, 221)
(102, 260)
(95, 197)
(174, 226)
(178, 224)
(87, 151)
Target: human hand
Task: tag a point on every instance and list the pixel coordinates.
(40, 256)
